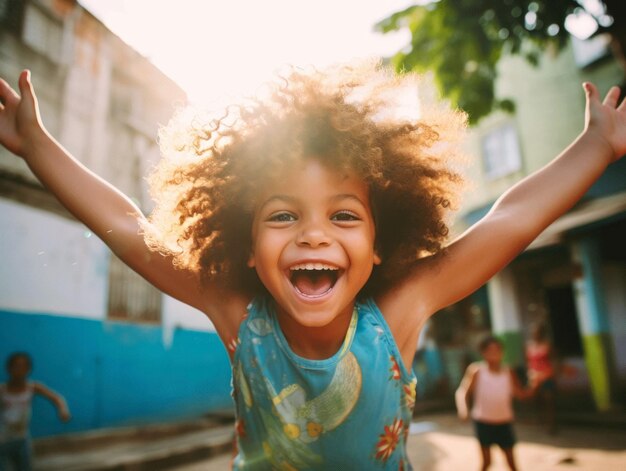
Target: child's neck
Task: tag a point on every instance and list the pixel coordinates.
(495, 367)
(16, 384)
(315, 343)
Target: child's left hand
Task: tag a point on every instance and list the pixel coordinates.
(65, 415)
(605, 120)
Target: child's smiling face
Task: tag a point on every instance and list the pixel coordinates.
(313, 242)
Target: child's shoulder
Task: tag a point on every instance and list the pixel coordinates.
(473, 368)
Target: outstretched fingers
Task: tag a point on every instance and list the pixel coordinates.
(26, 88)
(8, 96)
(592, 91)
(612, 97)
(622, 106)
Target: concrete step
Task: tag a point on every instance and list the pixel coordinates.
(150, 447)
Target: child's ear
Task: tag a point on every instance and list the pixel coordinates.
(377, 259)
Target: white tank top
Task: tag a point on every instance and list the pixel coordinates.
(15, 412)
(493, 395)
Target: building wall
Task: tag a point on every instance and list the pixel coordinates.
(53, 298)
(103, 102)
(549, 115)
(116, 374)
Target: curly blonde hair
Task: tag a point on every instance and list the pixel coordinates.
(347, 117)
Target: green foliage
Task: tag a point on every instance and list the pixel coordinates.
(461, 42)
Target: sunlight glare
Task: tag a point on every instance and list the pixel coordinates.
(220, 51)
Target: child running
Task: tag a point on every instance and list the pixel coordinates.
(16, 396)
(491, 387)
(309, 226)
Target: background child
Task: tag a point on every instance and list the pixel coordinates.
(308, 225)
(541, 372)
(491, 387)
(16, 397)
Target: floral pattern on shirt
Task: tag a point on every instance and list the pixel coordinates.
(395, 368)
(388, 440)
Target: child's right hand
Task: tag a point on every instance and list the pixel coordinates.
(20, 123)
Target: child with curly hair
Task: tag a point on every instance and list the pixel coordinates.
(309, 225)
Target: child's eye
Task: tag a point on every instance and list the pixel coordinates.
(281, 217)
(345, 216)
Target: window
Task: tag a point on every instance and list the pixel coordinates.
(43, 33)
(131, 298)
(501, 152)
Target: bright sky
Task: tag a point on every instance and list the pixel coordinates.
(221, 50)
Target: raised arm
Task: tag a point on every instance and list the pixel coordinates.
(523, 212)
(100, 206)
(56, 399)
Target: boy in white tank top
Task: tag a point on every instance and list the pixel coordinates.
(491, 388)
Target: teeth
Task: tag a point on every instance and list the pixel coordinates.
(313, 266)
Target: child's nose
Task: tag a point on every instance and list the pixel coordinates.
(313, 234)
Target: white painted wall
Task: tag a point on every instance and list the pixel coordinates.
(503, 304)
(177, 315)
(50, 264)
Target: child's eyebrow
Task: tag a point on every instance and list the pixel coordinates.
(350, 196)
(293, 200)
(284, 198)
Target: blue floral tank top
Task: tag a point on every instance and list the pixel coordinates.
(349, 411)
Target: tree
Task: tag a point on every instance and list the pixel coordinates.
(461, 41)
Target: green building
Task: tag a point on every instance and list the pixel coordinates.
(573, 276)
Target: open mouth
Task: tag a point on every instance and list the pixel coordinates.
(313, 280)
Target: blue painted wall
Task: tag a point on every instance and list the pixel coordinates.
(116, 373)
